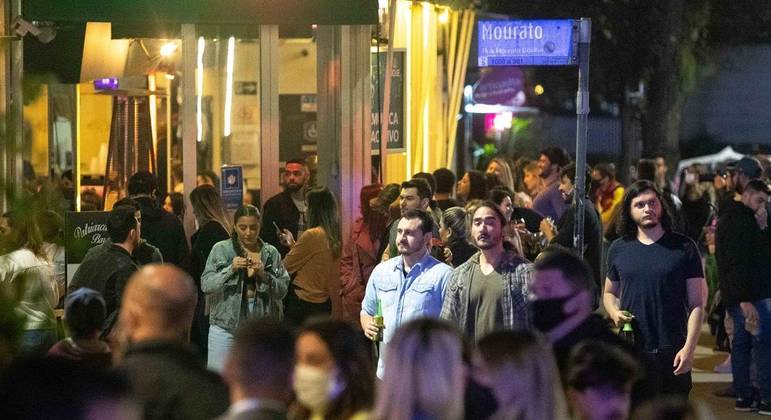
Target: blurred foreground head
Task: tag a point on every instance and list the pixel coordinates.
(158, 304)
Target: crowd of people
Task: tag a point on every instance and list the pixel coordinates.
(447, 300)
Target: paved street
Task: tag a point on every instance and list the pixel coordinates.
(705, 381)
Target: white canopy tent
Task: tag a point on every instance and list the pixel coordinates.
(726, 155)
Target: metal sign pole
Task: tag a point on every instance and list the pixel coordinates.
(582, 111)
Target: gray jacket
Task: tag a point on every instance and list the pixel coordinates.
(517, 275)
(224, 288)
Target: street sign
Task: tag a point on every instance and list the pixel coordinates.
(527, 42)
(232, 187)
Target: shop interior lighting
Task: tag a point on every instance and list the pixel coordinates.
(538, 89)
(199, 89)
(496, 109)
(426, 30)
(229, 86)
(502, 121)
(108, 83)
(444, 16)
(153, 108)
(168, 49)
(407, 11)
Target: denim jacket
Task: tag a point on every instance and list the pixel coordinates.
(517, 275)
(224, 287)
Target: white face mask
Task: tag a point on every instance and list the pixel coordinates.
(690, 178)
(316, 388)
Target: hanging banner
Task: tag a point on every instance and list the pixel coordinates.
(527, 42)
(396, 109)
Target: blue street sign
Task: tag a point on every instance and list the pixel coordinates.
(232, 187)
(527, 42)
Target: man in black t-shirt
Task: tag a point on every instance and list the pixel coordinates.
(658, 278)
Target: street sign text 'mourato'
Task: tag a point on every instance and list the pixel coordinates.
(527, 42)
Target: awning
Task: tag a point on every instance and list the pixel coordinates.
(204, 12)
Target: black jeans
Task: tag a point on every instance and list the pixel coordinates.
(669, 383)
(296, 310)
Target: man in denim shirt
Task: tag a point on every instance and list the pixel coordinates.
(409, 286)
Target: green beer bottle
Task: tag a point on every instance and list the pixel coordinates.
(378, 321)
(627, 333)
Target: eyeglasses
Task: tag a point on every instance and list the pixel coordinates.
(138, 219)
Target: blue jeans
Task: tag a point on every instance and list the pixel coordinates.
(37, 342)
(220, 343)
(741, 351)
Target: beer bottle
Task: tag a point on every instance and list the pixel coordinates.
(627, 333)
(378, 321)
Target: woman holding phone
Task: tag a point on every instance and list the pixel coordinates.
(314, 260)
(243, 278)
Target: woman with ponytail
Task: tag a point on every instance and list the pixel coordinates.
(244, 278)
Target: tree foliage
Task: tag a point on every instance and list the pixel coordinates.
(665, 44)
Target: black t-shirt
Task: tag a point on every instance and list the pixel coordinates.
(532, 218)
(653, 286)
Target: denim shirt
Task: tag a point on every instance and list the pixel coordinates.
(224, 287)
(419, 294)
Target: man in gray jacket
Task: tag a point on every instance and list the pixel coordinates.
(489, 291)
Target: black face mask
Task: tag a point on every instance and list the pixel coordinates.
(595, 184)
(548, 313)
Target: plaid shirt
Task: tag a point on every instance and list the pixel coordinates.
(517, 275)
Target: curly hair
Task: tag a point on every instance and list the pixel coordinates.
(627, 227)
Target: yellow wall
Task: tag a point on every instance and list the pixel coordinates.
(297, 69)
(36, 121)
(417, 30)
(95, 119)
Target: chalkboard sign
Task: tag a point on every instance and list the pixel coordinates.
(82, 231)
(395, 141)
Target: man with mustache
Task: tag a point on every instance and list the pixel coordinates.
(489, 291)
(287, 210)
(655, 281)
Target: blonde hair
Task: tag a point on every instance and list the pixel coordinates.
(507, 175)
(528, 358)
(208, 206)
(424, 373)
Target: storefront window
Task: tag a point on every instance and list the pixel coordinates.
(228, 109)
(297, 96)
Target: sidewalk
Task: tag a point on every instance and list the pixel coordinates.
(705, 381)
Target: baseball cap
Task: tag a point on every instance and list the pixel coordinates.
(84, 310)
(748, 166)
